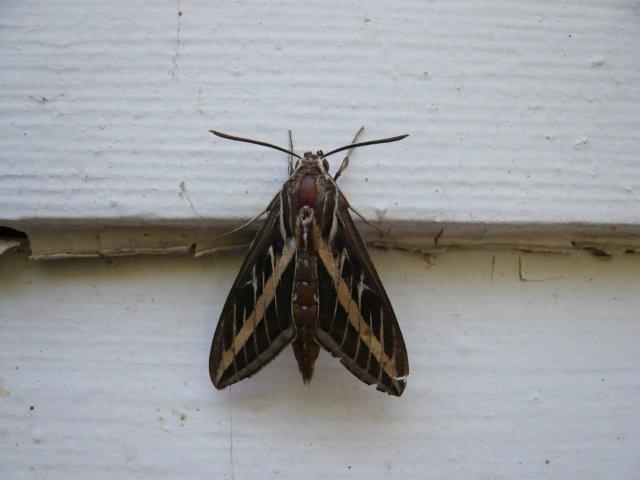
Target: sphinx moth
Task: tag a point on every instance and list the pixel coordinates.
(308, 281)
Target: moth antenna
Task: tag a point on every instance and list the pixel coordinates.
(370, 142)
(257, 142)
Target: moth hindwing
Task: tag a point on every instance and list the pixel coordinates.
(308, 281)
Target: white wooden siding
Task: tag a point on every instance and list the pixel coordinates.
(521, 115)
(522, 366)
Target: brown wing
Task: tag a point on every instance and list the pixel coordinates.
(356, 321)
(256, 322)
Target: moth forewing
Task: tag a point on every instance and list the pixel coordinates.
(256, 309)
(357, 323)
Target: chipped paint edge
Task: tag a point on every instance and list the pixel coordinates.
(68, 242)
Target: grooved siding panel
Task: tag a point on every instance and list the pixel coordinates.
(521, 367)
(519, 112)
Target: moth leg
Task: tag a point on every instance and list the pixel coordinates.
(375, 227)
(345, 162)
(244, 225)
(290, 168)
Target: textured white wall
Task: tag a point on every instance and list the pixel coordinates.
(522, 366)
(523, 119)
(519, 112)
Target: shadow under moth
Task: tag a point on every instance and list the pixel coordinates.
(308, 281)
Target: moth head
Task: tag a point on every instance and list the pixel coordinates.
(314, 161)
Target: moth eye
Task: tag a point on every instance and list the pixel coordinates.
(325, 164)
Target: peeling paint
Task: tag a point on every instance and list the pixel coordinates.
(54, 243)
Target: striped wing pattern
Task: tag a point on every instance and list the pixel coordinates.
(256, 322)
(356, 321)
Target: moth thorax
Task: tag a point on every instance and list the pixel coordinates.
(307, 191)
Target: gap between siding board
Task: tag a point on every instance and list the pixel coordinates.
(49, 242)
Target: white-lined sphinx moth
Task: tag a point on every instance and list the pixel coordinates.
(308, 281)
